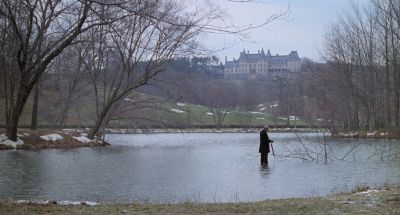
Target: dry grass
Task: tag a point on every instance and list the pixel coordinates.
(383, 202)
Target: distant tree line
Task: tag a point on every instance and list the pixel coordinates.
(359, 86)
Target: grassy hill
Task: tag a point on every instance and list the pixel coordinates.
(168, 114)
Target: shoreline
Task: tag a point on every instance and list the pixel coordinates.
(76, 138)
(364, 201)
(395, 134)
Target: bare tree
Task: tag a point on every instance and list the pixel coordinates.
(136, 49)
(40, 30)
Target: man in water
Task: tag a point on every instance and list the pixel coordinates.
(264, 145)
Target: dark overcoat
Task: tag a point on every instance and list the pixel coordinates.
(264, 142)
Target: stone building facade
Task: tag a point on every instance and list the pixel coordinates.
(253, 65)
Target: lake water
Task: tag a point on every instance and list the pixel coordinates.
(223, 167)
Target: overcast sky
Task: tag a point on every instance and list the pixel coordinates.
(303, 31)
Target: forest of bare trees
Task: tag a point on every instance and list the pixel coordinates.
(358, 87)
(58, 56)
(119, 44)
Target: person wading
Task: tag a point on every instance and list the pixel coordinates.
(264, 145)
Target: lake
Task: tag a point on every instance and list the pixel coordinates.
(201, 167)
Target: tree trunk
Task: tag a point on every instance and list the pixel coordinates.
(34, 121)
(397, 110)
(101, 119)
(22, 97)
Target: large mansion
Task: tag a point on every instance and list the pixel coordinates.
(261, 64)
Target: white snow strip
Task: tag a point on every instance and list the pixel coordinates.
(274, 105)
(180, 104)
(209, 113)
(369, 191)
(255, 112)
(384, 134)
(177, 111)
(77, 203)
(290, 117)
(82, 139)
(66, 202)
(4, 140)
(261, 118)
(371, 133)
(37, 202)
(84, 134)
(69, 129)
(261, 109)
(51, 137)
(260, 105)
(128, 100)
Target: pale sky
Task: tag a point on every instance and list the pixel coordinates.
(303, 31)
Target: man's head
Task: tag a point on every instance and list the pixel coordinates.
(266, 127)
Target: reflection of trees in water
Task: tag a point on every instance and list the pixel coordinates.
(321, 148)
(21, 172)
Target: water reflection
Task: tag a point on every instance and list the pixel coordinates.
(265, 170)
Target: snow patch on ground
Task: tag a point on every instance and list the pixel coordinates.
(51, 137)
(46, 202)
(351, 134)
(253, 112)
(261, 109)
(177, 111)
(290, 117)
(274, 105)
(260, 118)
(128, 100)
(82, 139)
(36, 202)
(180, 104)
(4, 140)
(209, 113)
(22, 135)
(369, 191)
(77, 203)
(260, 105)
(371, 133)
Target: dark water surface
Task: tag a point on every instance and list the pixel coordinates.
(198, 167)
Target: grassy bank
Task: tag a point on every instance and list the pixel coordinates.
(50, 139)
(367, 202)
